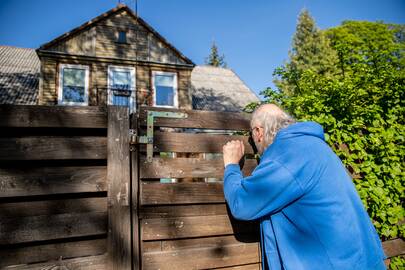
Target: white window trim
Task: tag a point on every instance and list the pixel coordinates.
(175, 96)
(86, 85)
(132, 102)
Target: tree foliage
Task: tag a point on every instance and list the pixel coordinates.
(361, 105)
(215, 59)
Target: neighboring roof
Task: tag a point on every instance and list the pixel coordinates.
(19, 75)
(219, 89)
(117, 9)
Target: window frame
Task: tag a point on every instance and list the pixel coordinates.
(132, 69)
(175, 89)
(86, 85)
(125, 35)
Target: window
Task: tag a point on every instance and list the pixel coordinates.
(73, 85)
(122, 37)
(121, 86)
(164, 89)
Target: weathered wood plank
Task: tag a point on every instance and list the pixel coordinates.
(52, 252)
(136, 242)
(40, 148)
(52, 207)
(203, 258)
(394, 247)
(38, 228)
(182, 210)
(204, 242)
(118, 179)
(53, 116)
(188, 167)
(51, 180)
(196, 143)
(84, 263)
(197, 226)
(200, 119)
(253, 266)
(181, 193)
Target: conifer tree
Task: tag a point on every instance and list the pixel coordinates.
(214, 59)
(311, 52)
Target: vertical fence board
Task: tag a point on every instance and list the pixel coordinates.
(118, 178)
(135, 201)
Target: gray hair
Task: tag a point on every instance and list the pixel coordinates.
(271, 122)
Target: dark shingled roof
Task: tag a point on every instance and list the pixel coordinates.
(19, 75)
(219, 89)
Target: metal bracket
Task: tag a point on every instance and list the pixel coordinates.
(148, 139)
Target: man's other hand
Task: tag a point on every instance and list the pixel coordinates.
(233, 151)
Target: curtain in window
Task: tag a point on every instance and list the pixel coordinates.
(73, 85)
(164, 85)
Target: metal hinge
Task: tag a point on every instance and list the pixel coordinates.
(148, 139)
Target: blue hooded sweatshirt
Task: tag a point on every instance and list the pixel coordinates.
(311, 216)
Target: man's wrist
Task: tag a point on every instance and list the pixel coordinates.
(231, 163)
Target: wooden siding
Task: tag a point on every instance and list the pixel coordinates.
(100, 40)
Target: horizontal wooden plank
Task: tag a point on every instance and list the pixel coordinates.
(196, 143)
(200, 242)
(53, 116)
(188, 167)
(182, 210)
(200, 119)
(197, 226)
(52, 180)
(51, 252)
(53, 207)
(253, 266)
(40, 148)
(202, 258)
(181, 193)
(394, 247)
(84, 263)
(38, 228)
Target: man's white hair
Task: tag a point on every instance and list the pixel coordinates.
(271, 121)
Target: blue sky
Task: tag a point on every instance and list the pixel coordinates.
(255, 36)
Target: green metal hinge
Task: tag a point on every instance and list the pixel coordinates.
(148, 139)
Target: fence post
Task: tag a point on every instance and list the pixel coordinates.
(136, 248)
(118, 179)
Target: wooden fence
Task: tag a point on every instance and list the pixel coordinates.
(73, 195)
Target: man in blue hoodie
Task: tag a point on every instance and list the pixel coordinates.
(311, 216)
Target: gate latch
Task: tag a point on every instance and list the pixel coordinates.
(148, 139)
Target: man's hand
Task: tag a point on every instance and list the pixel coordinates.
(233, 151)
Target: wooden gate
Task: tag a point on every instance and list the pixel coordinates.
(178, 202)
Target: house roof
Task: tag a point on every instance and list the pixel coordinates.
(219, 89)
(117, 9)
(19, 75)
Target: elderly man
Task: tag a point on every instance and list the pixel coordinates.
(310, 214)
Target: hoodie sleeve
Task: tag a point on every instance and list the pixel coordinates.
(270, 188)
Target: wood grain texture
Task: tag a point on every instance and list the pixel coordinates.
(200, 119)
(83, 263)
(188, 167)
(118, 179)
(203, 258)
(53, 116)
(197, 226)
(394, 247)
(39, 228)
(153, 193)
(165, 211)
(41, 148)
(195, 143)
(51, 180)
(51, 252)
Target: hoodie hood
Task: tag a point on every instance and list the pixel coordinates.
(301, 129)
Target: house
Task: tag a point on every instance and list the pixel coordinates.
(116, 59)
